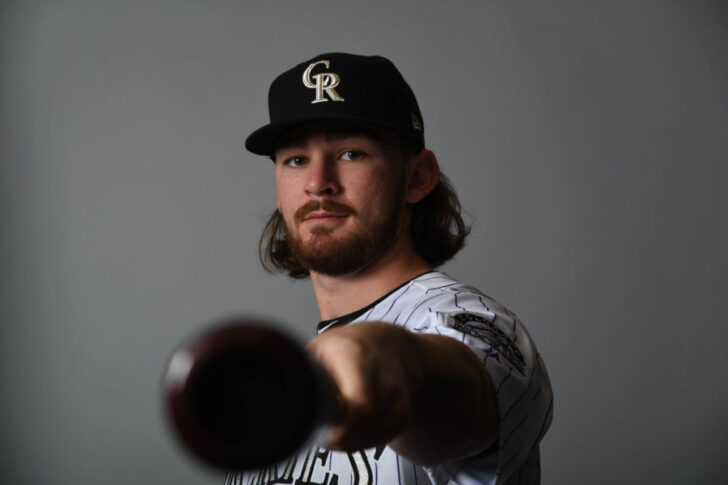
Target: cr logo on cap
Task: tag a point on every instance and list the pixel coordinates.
(323, 82)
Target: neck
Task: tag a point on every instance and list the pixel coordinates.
(339, 295)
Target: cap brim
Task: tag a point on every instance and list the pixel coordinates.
(263, 140)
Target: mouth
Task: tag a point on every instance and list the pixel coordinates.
(324, 216)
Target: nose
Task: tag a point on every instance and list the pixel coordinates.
(322, 178)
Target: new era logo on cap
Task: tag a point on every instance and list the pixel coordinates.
(339, 87)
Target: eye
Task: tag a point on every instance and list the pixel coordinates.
(352, 155)
(294, 161)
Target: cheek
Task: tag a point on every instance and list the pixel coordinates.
(283, 200)
(286, 208)
(386, 184)
(377, 198)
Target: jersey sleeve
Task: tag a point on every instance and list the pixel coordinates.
(520, 381)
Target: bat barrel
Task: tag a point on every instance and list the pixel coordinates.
(245, 396)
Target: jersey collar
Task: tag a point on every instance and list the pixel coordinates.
(350, 317)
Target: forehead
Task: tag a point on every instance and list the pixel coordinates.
(335, 131)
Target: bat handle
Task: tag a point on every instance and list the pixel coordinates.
(244, 396)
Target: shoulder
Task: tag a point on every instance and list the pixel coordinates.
(436, 297)
(432, 289)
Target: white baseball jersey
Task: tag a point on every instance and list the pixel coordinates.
(434, 303)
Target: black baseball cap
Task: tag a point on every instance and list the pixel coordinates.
(339, 87)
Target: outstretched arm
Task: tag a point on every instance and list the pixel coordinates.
(427, 396)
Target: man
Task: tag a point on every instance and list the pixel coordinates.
(439, 383)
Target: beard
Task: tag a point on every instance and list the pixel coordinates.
(338, 256)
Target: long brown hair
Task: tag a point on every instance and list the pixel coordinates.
(437, 231)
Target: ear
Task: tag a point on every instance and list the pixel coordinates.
(423, 174)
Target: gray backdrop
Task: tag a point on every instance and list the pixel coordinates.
(586, 140)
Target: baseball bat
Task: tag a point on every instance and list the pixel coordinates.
(243, 395)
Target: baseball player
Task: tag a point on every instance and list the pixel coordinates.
(439, 383)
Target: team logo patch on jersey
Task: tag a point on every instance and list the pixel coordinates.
(480, 328)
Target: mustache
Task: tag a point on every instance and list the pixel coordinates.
(325, 205)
